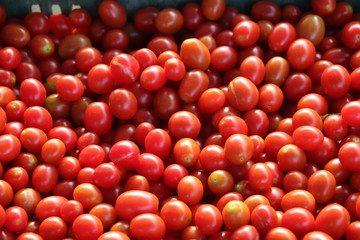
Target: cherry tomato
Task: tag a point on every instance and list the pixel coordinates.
(333, 219)
(194, 54)
(87, 226)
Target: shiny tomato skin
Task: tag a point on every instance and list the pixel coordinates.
(264, 218)
(243, 94)
(134, 202)
(238, 149)
(335, 81)
(194, 54)
(147, 225)
(184, 124)
(208, 219)
(322, 185)
(281, 36)
(348, 155)
(311, 27)
(120, 66)
(190, 190)
(176, 214)
(10, 147)
(123, 103)
(253, 68)
(87, 226)
(236, 214)
(333, 219)
(44, 177)
(112, 13)
(301, 54)
(246, 33)
(98, 117)
(16, 219)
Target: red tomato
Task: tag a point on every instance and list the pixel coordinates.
(301, 54)
(112, 13)
(135, 202)
(87, 226)
(208, 219)
(333, 219)
(246, 33)
(194, 54)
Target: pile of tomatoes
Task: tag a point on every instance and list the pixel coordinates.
(200, 122)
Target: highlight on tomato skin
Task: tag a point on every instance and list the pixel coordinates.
(188, 120)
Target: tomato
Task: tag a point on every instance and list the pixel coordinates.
(124, 154)
(280, 233)
(144, 19)
(44, 177)
(168, 21)
(349, 113)
(263, 218)
(7, 193)
(290, 157)
(15, 218)
(10, 147)
(153, 78)
(70, 210)
(173, 174)
(106, 213)
(113, 235)
(311, 27)
(266, 10)
(298, 198)
(246, 33)
(275, 140)
(176, 215)
(304, 48)
(338, 76)
(349, 35)
(213, 9)
(87, 226)
(17, 177)
(348, 155)
(91, 155)
(161, 44)
(333, 219)
(342, 14)
(208, 219)
(32, 92)
(49, 206)
(277, 69)
(15, 35)
(121, 62)
(190, 190)
(98, 117)
(184, 124)
(70, 44)
(253, 68)
(270, 98)
(113, 14)
(223, 58)
(260, 176)
(136, 202)
(281, 36)
(308, 137)
(220, 182)
(235, 214)
(107, 175)
(128, 108)
(194, 54)
(242, 94)
(53, 227)
(186, 152)
(150, 166)
(10, 58)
